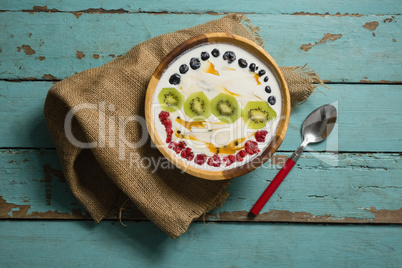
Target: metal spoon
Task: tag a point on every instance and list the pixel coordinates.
(316, 127)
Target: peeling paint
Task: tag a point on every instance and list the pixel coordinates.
(19, 49)
(49, 77)
(327, 36)
(389, 19)
(103, 11)
(41, 58)
(382, 216)
(96, 56)
(89, 10)
(112, 55)
(77, 14)
(393, 40)
(75, 214)
(307, 47)
(80, 55)
(49, 172)
(28, 50)
(1, 50)
(338, 14)
(386, 215)
(331, 37)
(371, 25)
(9, 210)
(43, 9)
(379, 82)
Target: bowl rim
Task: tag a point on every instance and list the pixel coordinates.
(252, 48)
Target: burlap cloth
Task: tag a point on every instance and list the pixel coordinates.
(109, 171)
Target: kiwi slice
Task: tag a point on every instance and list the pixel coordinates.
(197, 106)
(170, 99)
(256, 114)
(226, 108)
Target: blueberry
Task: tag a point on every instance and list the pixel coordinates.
(272, 100)
(204, 55)
(183, 68)
(266, 79)
(261, 72)
(174, 79)
(252, 67)
(268, 89)
(195, 63)
(242, 63)
(215, 52)
(229, 56)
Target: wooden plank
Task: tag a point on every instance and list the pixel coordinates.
(340, 49)
(76, 244)
(21, 109)
(323, 187)
(367, 7)
(360, 127)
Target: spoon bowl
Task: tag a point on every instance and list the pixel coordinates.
(319, 123)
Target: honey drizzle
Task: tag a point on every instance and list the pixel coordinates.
(231, 93)
(257, 96)
(228, 68)
(256, 76)
(190, 125)
(211, 69)
(231, 148)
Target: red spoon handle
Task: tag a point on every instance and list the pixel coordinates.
(272, 186)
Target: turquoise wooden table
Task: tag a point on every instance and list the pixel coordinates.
(339, 207)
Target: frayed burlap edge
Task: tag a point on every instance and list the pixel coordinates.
(252, 29)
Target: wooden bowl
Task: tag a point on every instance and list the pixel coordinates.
(258, 52)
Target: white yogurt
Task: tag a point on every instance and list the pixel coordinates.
(240, 82)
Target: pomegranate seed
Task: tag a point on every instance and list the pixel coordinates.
(239, 158)
(243, 153)
(183, 153)
(182, 145)
(214, 161)
(260, 135)
(227, 160)
(163, 115)
(177, 149)
(251, 147)
(200, 159)
(190, 156)
(167, 123)
(172, 145)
